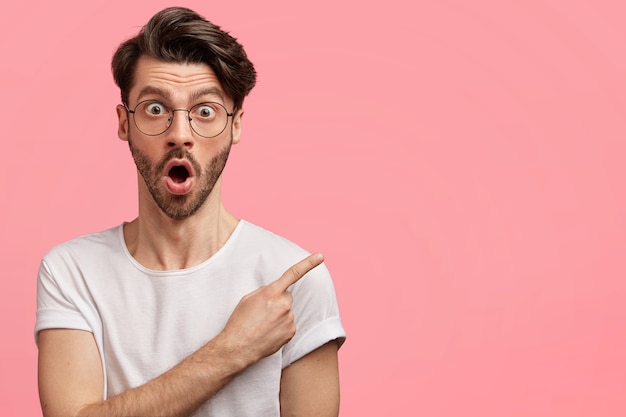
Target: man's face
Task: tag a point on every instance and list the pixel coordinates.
(180, 169)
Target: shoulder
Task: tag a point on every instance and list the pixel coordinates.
(275, 254)
(265, 254)
(87, 247)
(263, 238)
(267, 247)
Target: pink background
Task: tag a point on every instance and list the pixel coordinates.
(461, 165)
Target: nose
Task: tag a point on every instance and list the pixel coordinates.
(179, 134)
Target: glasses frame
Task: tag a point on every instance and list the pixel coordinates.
(189, 118)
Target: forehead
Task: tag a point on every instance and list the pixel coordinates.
(176, 81)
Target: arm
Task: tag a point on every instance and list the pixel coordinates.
(71, 377)
(310, 385)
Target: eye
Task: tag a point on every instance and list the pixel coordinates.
(155, 108)
(205, 112)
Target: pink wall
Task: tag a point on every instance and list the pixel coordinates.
(461, 165)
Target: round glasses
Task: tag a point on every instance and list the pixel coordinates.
(153, 118)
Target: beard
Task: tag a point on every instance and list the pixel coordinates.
(175, 206)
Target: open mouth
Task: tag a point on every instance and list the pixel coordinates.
(178, 174)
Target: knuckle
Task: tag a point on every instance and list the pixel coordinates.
(284, 304)
(280, 305)
(297, 272)
(292, 330)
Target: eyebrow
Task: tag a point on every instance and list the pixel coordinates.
(154, 90)
(211, 91)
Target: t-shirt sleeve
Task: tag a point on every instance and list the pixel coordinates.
(316, 314)
(56, 307)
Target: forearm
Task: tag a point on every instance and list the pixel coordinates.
(177, 392)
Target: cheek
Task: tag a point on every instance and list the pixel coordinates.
(206, 153)
(144, 146)
(143, 160)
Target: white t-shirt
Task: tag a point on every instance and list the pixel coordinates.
(145, 321)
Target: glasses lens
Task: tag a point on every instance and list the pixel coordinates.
(152, 117)
(208, 119)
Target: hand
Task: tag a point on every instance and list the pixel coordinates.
(263, 321)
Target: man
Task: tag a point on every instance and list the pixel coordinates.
(185, 310)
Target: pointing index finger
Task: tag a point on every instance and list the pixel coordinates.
(297, 271)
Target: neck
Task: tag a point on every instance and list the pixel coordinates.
(161, 243)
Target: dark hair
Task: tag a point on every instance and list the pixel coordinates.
(178, 34)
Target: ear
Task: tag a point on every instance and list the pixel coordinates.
(122, 122)
(237, 126)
